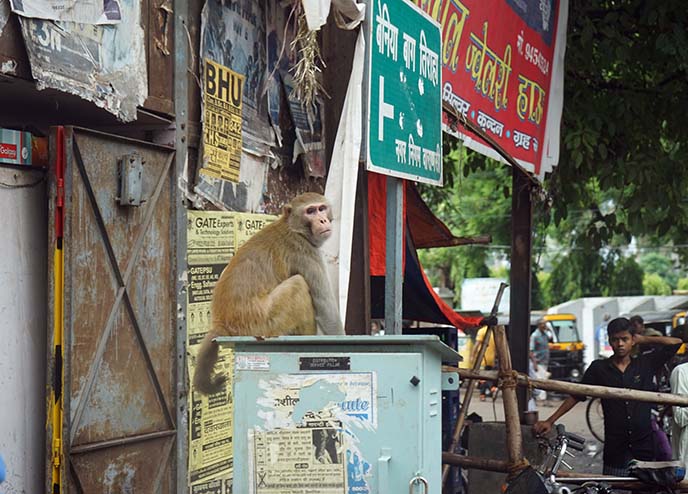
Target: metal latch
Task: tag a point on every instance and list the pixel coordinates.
(130, 174)
(422, 481)
(450, 381)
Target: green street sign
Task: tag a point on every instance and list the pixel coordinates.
(404, 92)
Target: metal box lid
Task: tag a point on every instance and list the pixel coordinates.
(322, 342)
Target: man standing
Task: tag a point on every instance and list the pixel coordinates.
(627, 424)
(679, 386)
(539, 349)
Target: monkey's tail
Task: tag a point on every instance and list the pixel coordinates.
(205, 381)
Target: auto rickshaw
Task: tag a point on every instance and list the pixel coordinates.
(565, 346)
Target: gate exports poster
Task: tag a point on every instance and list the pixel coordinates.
(212, 239)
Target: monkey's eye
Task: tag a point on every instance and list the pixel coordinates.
(322, 208)
(310, 210)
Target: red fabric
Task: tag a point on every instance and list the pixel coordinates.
(377, 226)
(377, 207)
(456, 319)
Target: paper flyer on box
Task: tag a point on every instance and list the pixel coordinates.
(307, 459)
(211, 242)
(308, 439)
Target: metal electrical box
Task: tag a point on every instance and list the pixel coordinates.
(338, 414)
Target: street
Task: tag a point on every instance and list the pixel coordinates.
(588, 461)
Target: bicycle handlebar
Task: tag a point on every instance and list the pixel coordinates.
(574, 440)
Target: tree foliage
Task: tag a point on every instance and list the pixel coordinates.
(653, 284)
(654, 263)
(623, 131)
(627, 278)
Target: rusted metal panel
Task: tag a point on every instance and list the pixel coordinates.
(158, 21)
(120, 370)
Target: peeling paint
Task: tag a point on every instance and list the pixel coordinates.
(8, 67)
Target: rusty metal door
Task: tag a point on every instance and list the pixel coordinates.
(111, 421)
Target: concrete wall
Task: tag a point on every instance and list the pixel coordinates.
(23, 328)
(488, 440)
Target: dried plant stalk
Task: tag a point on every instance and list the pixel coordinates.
(309, 63)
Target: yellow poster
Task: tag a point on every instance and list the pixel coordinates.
(222, 102)
(212, 239)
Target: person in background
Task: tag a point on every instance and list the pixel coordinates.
(539, 350)
(627, 424)
(663, 448)
(603, 348)
(488, 362)
(639, 327)
(679, 422)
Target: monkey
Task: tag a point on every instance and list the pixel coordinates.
(276, 284)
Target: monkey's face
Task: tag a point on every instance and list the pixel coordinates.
(319, 219)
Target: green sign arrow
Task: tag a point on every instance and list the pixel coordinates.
(404, 92)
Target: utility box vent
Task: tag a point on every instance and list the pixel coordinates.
(130, 171)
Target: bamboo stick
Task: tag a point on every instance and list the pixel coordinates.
(501, 466)
(514, 441)
(581, 389)
(456, 434)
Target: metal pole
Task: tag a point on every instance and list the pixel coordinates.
(181, 106)
(519, 309)
(393, 257)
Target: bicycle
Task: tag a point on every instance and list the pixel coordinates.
(594, 416)
(544, 480)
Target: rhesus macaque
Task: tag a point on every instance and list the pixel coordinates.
(275, 284)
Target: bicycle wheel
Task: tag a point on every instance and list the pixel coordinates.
(595, 418)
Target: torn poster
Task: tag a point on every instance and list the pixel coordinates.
(233, 35)
(102, 64)
(4, 14)
(82, 11)
(307, 459)
(222, 90)
(309, 437)
(310, 143)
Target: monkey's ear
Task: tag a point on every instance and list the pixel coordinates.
(286, 210)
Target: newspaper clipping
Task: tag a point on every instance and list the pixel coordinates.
(222, 121)
(211, 242)
(300, 461)
(308, 441)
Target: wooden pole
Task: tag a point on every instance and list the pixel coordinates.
(514, 441)
(581, 389)
(501, 466)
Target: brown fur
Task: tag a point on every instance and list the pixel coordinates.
(275, 284)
